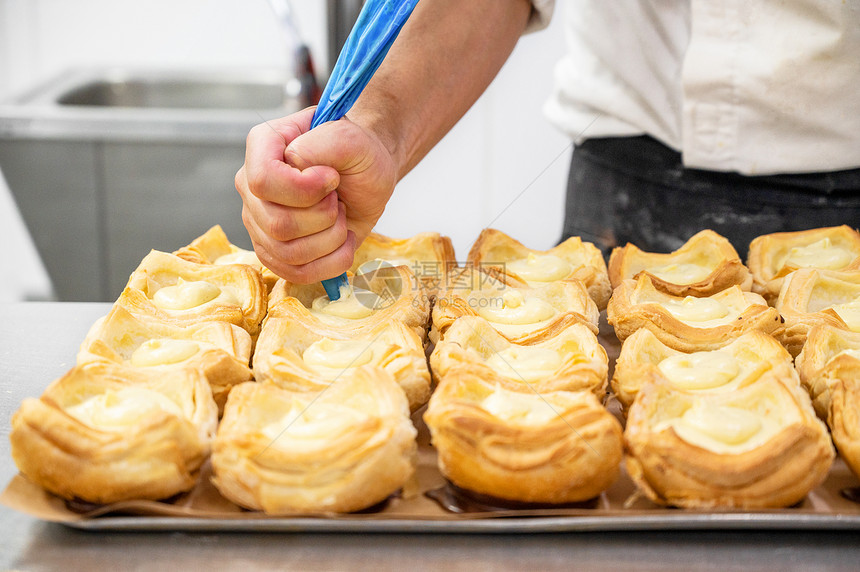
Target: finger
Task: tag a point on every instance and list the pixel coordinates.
(340, 144)
(333, 264)
(301, 250)
(288, 223)
(270, 178)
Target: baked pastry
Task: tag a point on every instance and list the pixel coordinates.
(554, 447)
(774, 256)
(221, 352)
(167, 288)
(812, 296)
(105, 433)
(573, 259)
(343, 449)
(213, 247)
(429, 255)
(688, 323)
(706, 264)
(819, 367)
(760, 446)
(295, 355)
(829, 368)
(383, 295)
(523, 315)
(571, 360)
(744, 360)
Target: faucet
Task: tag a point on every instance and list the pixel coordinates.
(298, 54)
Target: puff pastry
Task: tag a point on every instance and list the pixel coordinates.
(298, 356)
(105, 433)
(167, 288)
(572, 360)
(645, 359)
(383, 295)
(829, 368)
(554, 447)
(812, 296)
(758, 447)
(774, 256)
(523, 315)
(573, 259)
(218, 350)
(706, 264)
(213, 247)
(343, 449)
(688, 323)
(429, 255)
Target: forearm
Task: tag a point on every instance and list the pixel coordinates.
(445, 57)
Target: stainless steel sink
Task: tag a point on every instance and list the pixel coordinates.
(105, 164)
(175, 93)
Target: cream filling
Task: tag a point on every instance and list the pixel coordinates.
(185, 295)
(722, 429)
(309, 427)
(540, 267)
(123, 408)
(330, 358)
(702, 312)
(820, 254)
(163, 351)
(353, 304)
(850, 314)
(523, 408)
(527, 363)
(681, 272)
(240, 256)
(700, 370)
(515, 314)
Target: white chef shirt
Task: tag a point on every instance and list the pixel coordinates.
(753, 86)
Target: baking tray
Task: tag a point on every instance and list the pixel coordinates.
(833, 505)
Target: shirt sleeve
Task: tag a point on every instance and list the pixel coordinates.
(540, 16)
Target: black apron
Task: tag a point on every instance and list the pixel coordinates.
(635, 189)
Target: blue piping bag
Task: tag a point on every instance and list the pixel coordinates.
(378, 24)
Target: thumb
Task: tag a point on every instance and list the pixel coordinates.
(340, 144)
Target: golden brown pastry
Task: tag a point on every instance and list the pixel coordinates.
(706, 264)
(221, 352)
(812, 296)
(343, 449)
(386, 294)
(167, 288)
(105, 433)
(829, 368)
(572, 360)
(645, 359)
(773, 256)
(429, 255)
(688, 323)
(554, 447)
(758, 447)
(213, 247)
(297, 355)
(523, 315)
(573, 259)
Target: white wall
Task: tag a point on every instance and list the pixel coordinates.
(501, 166)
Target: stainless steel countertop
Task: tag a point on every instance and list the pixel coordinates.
(38, 342)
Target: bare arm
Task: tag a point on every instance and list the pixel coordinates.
(445, 57)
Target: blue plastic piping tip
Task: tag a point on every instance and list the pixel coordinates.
(332, 286)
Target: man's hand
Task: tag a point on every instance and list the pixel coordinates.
(310, 197)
